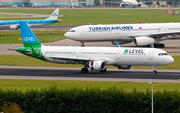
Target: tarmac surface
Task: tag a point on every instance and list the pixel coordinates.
(74, 73)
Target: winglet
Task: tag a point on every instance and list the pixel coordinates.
(28, 36)
(54, 15)
(117, 44)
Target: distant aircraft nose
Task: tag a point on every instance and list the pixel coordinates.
(70, 35)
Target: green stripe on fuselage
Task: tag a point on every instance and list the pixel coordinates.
(32, 50)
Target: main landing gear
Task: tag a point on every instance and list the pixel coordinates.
(159, 45)
(103, 70)
(84, 70)
(154, 70)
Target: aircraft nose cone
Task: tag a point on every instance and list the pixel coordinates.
(70, 35)
(171, 60)
(66, 35)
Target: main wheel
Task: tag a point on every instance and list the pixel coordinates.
(161, 45)
(103, 70)
(154, 72)
(84, 70)
(156, 45)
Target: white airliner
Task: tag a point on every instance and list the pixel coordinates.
(140, 34)
(95, 58)
(74, 5)
(128, 3)
(36, 4)
(125, 3)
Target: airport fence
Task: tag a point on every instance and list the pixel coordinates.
(91, 100)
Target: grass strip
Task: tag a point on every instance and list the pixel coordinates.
(29, 61)
(11, 37)
(173, 51)
(102, 16)
(40, 84)
(10, 15)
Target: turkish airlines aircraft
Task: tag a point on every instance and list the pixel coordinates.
(95, 58)
(140, 34)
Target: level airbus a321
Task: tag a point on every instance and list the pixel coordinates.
(140, 34)
(94, 58)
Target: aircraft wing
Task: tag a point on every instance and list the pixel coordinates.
(69, 58)
(158, 34)
(76, 59)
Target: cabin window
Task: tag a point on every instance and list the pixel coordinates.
(162, 54)
(71, 31)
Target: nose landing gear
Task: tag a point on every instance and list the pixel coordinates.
(154, 70)
(82, 44)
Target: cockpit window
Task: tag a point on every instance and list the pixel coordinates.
(162, 54)
(71, 31)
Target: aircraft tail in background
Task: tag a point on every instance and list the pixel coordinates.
(54, 15)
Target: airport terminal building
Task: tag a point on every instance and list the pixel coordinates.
(27, 3)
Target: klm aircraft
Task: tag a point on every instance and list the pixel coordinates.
(94, 58)
(74, 5)
(14, 24)
(37, 4)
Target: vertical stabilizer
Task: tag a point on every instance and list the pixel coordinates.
(34, 2)
(28, 37)
(70, 2)
(54, 15)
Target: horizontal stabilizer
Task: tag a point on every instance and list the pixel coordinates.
(24, 50)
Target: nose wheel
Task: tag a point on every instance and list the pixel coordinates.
(82, 44)
(154, 70)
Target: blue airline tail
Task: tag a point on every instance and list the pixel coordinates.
(28, 37)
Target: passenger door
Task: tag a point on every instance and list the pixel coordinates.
(118, 54)
(150, 56)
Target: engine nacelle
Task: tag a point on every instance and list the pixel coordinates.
(143, 41)
(125, 67)
(97, 65)
(14, 27)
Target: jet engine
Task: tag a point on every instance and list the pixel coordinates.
(14, 27)
(97, 65)
(125, 67)
(139, 5)
(143, 41)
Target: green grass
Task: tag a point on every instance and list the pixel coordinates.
(10, 15)
(28, 61)
(173, 51)
(11, 37)
(127, 86)
(103, 16)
